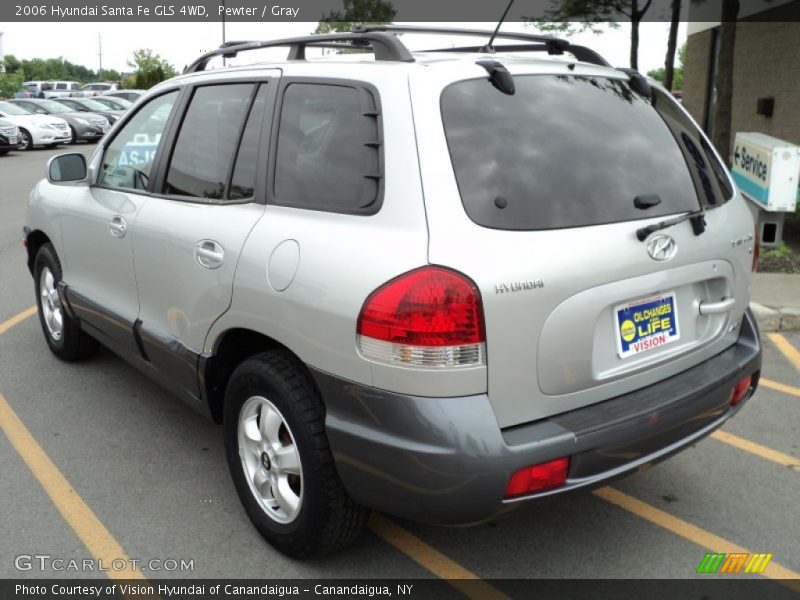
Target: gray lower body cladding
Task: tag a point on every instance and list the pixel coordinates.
(446, 461)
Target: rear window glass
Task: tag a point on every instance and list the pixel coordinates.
(571, 151)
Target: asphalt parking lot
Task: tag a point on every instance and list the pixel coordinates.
(98, 461)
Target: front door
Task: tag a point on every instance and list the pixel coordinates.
(97, 224)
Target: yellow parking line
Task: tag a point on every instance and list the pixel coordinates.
(757, 449)
(434, 561)
(690, 532)
(774, 385)
(97, 539)
(17, 319)
(786, 348)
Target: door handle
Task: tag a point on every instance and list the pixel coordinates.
(209, 254)
(118, 227)
(717, 308)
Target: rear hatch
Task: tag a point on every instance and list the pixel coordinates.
(538, 196)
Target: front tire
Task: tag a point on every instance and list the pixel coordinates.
(73, 137)
(26, 140)
(62, 333)
(280, 459)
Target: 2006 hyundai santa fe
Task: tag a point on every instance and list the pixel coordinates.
(438, 284)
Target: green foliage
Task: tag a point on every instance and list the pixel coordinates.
(150, 68)
(355, 12)
(10, 83)
(782, 259)
(677, 77)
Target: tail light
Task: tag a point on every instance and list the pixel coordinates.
(756, 249)
(538, 478)
(741, 389)
(430, 317)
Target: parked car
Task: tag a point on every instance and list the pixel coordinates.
(83, 126)
(129, 95)
(441, 285)
(35, 129)
(9, 136)
(38, 89)
(90, 105)
(94, 89)
(64, 89)
(113, 102)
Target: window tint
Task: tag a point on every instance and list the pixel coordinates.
(568, 151)
(206, 141)
(76, 86)
(61, 86)
(130, 156)
(328, 149)
(244, 172)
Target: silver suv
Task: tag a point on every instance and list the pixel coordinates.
(438, 284)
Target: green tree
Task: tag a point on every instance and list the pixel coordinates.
(11, 63)
(677, 78)
(10, 83)
(150, 68)
(356, 12)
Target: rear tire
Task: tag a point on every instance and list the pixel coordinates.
(280, 459)
(62, 333)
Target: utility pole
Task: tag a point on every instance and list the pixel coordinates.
(100, 54)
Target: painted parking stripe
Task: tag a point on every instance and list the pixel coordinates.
(691, 532)
(94, 535)
(780, 387)
(761, 451)
(786, 348)
(17, 319)
(434, 561)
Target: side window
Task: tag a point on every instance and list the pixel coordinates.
(201, 160)
(76, 86)
(130, 156)
(328, 155)
(61, 86)
(243, 180)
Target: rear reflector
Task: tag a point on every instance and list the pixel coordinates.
(756, 250)
(538, 478)
(741, 389)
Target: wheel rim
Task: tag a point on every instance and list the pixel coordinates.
(270, 460)
(51, 305)
(26, 141)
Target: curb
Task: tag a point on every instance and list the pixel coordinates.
(776, 319)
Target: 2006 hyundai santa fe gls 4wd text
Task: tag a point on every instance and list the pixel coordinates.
(438, 284)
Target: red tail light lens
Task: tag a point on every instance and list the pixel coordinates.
(756, 250)
(741, 389)
(431, 316)
(538, 478)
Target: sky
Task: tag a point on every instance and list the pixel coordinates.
(181, 43)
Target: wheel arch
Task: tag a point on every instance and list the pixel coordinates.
(231, 348)
(34, 240)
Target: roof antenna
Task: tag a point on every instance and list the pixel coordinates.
(488, 48)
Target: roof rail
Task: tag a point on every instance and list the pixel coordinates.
(384, 45)
(551, 45)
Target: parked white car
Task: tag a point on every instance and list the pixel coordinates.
(95, 89)
(35, 130)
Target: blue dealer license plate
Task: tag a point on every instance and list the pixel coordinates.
(646, 324)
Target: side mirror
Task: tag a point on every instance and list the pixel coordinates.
(66, 168)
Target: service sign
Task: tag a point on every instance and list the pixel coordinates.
(646, 324)
(752, 166)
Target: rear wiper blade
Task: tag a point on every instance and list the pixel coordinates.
(697, 217)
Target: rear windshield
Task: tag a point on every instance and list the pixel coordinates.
(570, 151)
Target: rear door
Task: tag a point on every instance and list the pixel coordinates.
(549, 188)
(188, 238)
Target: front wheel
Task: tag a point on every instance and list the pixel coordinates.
(73, 137)
(25, 140)
(280, 459)
(62, 333)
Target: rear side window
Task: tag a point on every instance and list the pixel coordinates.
(243, 180)
(207, 140)
(568, 151)
(328, 150)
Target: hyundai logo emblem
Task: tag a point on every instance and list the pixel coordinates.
(661, 247)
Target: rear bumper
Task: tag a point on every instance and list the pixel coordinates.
(446, 461)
